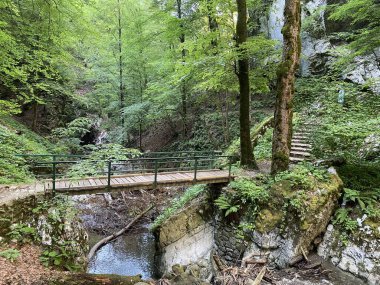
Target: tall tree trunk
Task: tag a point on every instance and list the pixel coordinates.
(246, 152)
(35, 116)
(121, 86)
(212, 23)
(183, 84)
(283, 115)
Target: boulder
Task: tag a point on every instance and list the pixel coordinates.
(359, 255)
(281, 234)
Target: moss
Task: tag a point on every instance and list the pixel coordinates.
(268, 220)
(94, 279)
(374, 224)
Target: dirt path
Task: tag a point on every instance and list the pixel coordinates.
(9, 193)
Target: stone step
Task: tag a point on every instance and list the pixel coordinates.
(298, 144)
(299, 154)
(303, 132)
(296, 159)
(299, 148)
(300, 139)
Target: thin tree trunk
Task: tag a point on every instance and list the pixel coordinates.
(283, 115)
(183, 84)
(212, 23)
(121, 87)
(246, 152)
(35, 116)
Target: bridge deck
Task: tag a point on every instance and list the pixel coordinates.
(137, 181)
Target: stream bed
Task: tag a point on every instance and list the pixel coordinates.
(130, 254)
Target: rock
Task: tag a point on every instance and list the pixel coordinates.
(178, 269)
(365, 69)
(284, 241)
(360, 255)
(370, 150)
(193, 270)
(186, 237)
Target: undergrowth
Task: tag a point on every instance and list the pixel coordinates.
(15, 138)
(178, 203)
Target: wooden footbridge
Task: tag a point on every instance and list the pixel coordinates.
(146, 171)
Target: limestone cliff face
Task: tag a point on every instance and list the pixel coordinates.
(360, 255)
(186, 237)
(320, 44)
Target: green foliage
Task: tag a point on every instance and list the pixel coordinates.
(263, 140)
(96, 162)
(263, 149)
(75, 129)
(178, 203)
(22, 233)
(60, 257)
(364, 18)
(71, 135)
(15, 138)
(11, 254)
(242, 192)
(303, 176)
(342, 129)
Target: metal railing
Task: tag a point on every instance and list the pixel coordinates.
(148, 163)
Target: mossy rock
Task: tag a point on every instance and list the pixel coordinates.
(95, 279)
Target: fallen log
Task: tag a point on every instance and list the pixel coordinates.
(107, 239)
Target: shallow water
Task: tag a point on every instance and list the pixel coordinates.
(130, 254)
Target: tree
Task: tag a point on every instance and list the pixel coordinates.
(246, 151)
(283, 115)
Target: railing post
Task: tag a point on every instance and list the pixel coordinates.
(229, 167)
(155, 173)
(54, 174)
(213, 160)
(195, 168)
(109, 173)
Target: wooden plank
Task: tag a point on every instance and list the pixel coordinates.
(184, 177)
(119, 180)
(92, 182)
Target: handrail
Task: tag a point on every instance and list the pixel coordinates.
(144, 154)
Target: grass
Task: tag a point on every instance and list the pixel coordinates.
(190, 194)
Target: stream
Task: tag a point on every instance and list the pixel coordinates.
(130, 254)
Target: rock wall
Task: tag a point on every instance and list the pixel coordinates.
(228, 245)
(54, 222)
(187, 237)
(320, 45)
(360, 255)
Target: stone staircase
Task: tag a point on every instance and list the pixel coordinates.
(301, 144)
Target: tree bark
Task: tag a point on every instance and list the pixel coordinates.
(183, 84)
(246, 151)
(283, 116)
(121, 86)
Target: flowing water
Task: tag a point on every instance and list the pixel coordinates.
(130, 254)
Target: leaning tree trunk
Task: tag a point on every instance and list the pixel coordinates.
(246, 151)
(283, 115)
